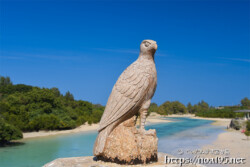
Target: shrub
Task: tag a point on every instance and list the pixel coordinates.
(247, 133)
(8, 132)
(248, 126)
(32, 108)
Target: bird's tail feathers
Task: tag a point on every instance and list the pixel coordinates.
(100, 141)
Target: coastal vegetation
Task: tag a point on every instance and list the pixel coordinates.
(201, 109)
(8, 132)
(25, 108)
(247, 132)
(225, 112)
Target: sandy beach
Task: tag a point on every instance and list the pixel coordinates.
(156, 118)
(218, 121)
(233, 141)
(153, 118)
(82, 128)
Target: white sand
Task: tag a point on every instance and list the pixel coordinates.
(235, 142)
(154, 118)
(232, 140)
(180, 115)
(82, 128)
(218, 121)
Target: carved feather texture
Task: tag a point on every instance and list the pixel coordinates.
(130, 90)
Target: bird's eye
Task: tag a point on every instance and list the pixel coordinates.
(147, 44)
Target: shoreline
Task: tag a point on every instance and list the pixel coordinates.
(43, 133)
(218, 121)
(233, 141)
(230, 139)
(154, 119)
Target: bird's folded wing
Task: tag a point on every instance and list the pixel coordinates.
(129, 90)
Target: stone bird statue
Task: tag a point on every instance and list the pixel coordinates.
(130, 95)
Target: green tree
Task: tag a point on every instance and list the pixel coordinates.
(245, 102)
(247, 132)
(174, 107)
(152, 108)
(248, 125)
(5, 81)
(69, 96)
(56, 91)
(161, 110)
(203, 105)
(189, 108)
(8, 132)
(33, 109)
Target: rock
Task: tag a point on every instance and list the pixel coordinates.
(238, 124)
(91, 161)
(128, 145)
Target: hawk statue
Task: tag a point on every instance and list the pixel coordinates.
(131, 95)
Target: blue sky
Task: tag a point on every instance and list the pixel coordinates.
(83, 46)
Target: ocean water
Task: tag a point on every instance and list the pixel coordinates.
(183, 134)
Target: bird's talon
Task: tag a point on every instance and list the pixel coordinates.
(146, 132)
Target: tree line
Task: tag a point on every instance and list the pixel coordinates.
(25, 108)
(201, 109)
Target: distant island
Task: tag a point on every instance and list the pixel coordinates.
(25, 108)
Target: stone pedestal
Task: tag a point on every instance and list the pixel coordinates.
(128, 145)
(92, 162)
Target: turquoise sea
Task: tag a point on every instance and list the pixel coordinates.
(182, 134)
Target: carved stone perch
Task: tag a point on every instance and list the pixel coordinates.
(118, 139)
(127, 145)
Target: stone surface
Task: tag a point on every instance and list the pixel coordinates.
(92, 162)
(237, 123)
(128, 145)
(130, 96)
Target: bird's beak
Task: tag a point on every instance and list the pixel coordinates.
(155, 46)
